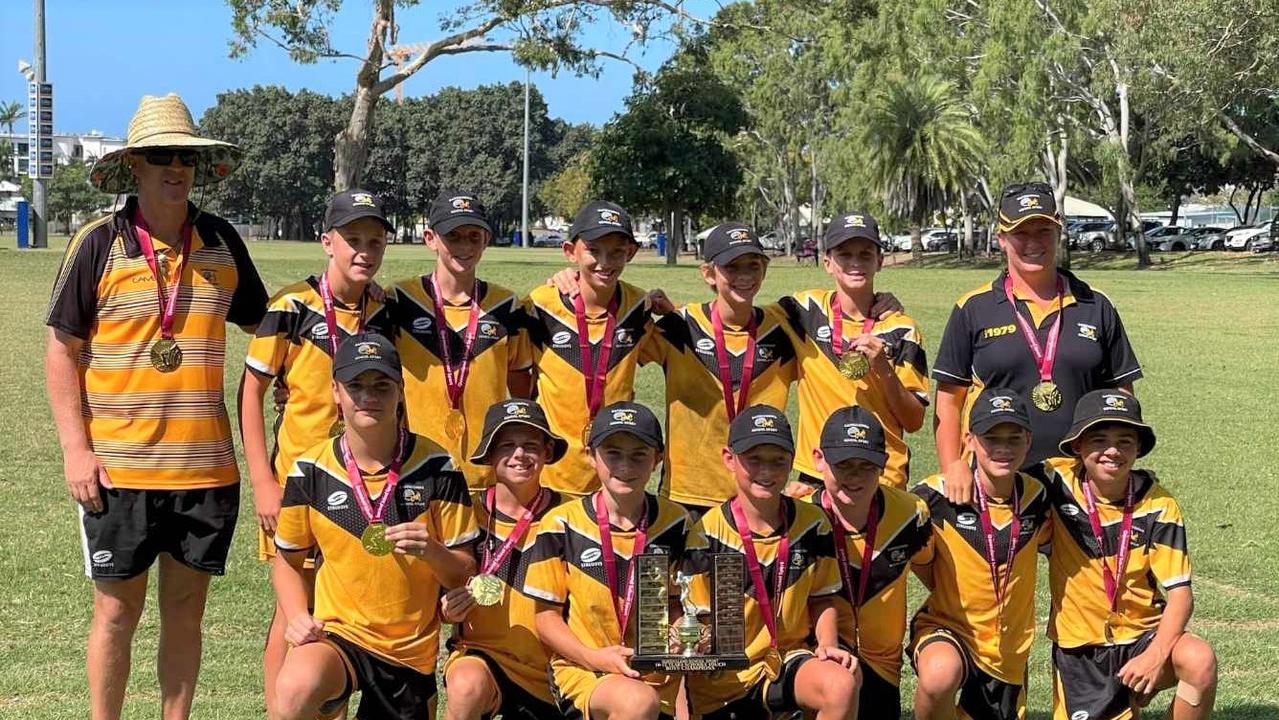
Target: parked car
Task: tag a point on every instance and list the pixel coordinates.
(1091, 235)
(1241, 238)
(1169, 238)
(547, 240)
(771, 241)
(647, 240)
(1191, 239)
(1267, 241)
(939, 239)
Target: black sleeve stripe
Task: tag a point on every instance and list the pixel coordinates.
(910, 353)
(1172, 535)
(547, 547)
(248, 304)
(794, 316)
(73, 303)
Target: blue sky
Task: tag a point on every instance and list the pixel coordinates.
(104, 55)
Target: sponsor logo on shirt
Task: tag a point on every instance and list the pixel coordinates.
(421, 324)
(1087, 332)
(338, 500)
(590, 557)
(560, 339)
(320, 331)
(706, 346)
(966, 520)
(102, 558)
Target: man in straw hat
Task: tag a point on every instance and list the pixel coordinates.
(134, 371)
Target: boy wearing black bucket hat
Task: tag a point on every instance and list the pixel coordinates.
(794, 582)
(972, 636)
(462, 339)
(497, 665)
(880, 533)
(293, 348)
(1119, 574)
(586, 339)
(582, 572)
(393, 522)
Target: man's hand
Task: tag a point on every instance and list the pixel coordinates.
(615, 659)
(303, 629)
(267, 494)
(566, 281)
(885, 304)
(457, 604)
(959, 482)
(1141, 674)
(834, 653)
(85, 473)
(409, 538)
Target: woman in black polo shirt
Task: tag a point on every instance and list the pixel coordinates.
(1037, 329)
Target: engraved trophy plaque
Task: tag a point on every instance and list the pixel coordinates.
(653, 627)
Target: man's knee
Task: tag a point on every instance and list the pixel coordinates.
(295, 695)
(469, 682)
(117, 606)
(633, 700)
(1196, 663)
(837, 688)
(940, 669)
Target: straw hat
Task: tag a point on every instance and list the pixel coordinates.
(164, 122)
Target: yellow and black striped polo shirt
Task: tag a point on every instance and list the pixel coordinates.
(500, 348)
(561, 384)
(292, 344)
(386, 605)
(812, 574)
(1159, 560)
(155, 430)
(696, 417)
(505, 631)
(962, 597)
(904, 538)
(823, 390)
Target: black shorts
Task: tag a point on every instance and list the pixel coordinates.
(1085, 682)
(517, 703)
(767, 696)
(981, 695)
(879, 699)
(387, 691)
(135, 526)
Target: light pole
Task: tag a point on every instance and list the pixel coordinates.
(524, 216)
(39, 224)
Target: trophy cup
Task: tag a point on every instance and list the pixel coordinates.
(653, 627)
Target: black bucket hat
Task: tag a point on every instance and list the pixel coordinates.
(516, 412)
(1102, 407)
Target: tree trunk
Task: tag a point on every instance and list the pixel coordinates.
(916, 241)
(676, 240)
(1176, 208)
(1055, 163)
(1131, 215)
(967, 242)
(815, 195)
(351, 146)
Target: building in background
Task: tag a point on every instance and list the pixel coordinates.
(67, 147)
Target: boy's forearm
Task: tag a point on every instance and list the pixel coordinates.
(826, 625)
(1172, 624)
(555, 635)
(946, 426)
(290, 588)
(451, 566)
(253, 426)
(902, 403)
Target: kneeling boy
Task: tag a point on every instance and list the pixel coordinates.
(393, 521)
(1119, 574)
(794, 580)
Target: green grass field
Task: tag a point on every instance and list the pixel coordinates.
(1206, 329)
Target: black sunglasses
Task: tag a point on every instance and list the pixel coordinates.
(164, 157)
(1019, 188)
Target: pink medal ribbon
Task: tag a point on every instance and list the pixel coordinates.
(868, 552)
(1045, 356)
(734, 405)
(837, 326)
(1113, 579)
(493, 561)
(780, 566)
(623, 610)
(330, 315)
(168, 300)
(455, 375)
(999, 580)
(595, 369)
(373, 514)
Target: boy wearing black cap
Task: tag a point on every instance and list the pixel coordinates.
(718, 357)
(585, 345)
(1119, 574)
(973, 634)
(393, 522)
(880, 532)
(461, 338)
(794, 580)
(583, 576)
(497, 665)
(293, 347)
(852, 353)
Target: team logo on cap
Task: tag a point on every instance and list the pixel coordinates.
(851, 221)
(623, 415)
(363, 200)
(515, 410)
(857, 432)
(461, 203)
(766, 422)
(368, 349)
(610, 217)
(1029, 202)
(1117, 403)
(739, 236)
(1001, 403)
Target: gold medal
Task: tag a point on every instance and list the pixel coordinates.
(1113, 621)
(337, 428)
(455, 425)
(166, 356)
(486, 588)
(374, 540)
(853, 365)
(586, 435)
(1046, 396)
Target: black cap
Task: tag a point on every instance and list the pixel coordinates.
(760, 425)
(1101, 407)
(848, 226)
(516, 412)
(452, 209)
(1022, 201)
(599, 218)
(728, 241)
(351, 205)
(997, 405)
(366, 351)
(627, 417)
(853, 432)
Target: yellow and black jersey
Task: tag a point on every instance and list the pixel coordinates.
(156, 430)
(812, 573)
(1158, 560)
(822, 389)
(505, 631)
(696, 417)
(386, 605)
(501, 347)
(982, 346)
(292, 344)
(561, 383)
(904, 538)
(566, 566)
(962, 597)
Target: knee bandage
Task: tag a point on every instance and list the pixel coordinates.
(1189, 693)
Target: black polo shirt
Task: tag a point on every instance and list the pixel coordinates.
(983, 347)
